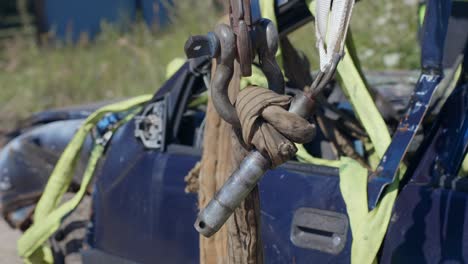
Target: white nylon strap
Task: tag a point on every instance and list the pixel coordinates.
(331, 28)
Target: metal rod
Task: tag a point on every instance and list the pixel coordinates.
(243, 180)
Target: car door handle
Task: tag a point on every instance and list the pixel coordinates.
(321, 230)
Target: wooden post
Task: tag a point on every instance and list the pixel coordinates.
(214, 249)
(239, 240)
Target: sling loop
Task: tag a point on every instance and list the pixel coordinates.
(368, 229)
(331, 27)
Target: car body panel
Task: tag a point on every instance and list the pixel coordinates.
(427, 226)
(139, 198)
(27, 161)
(141, 212)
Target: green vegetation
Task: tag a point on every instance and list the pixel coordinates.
(118, 65)
(384, 33)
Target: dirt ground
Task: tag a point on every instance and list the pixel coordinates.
(8, 238)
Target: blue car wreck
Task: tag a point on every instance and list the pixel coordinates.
(139, 210)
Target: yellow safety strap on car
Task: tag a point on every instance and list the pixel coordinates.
(368, 228)
(303, 156)
(463, 172)
(464, 168)
(267, 10)
(356, 91)
(421, 13)
(173, 66)
(354, 87)
(257, 78)
(199, 100)
(48, 215)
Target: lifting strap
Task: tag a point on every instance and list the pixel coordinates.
(48, 214)
(354, 87)
(331, 25)
(368, 229)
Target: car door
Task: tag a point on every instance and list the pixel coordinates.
(141, 212)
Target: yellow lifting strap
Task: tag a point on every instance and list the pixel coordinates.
(173, 66)
(368, 228)
(32, 246)
(354, 87)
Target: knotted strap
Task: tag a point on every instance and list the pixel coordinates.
(268, 126)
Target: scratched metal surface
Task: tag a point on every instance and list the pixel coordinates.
(406, 131)
(432, 46)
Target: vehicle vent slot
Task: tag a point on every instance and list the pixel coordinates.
(321, 230)
(315, 231)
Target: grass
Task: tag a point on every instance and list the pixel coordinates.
(118, 65)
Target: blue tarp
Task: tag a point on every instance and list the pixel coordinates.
(68, 20)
